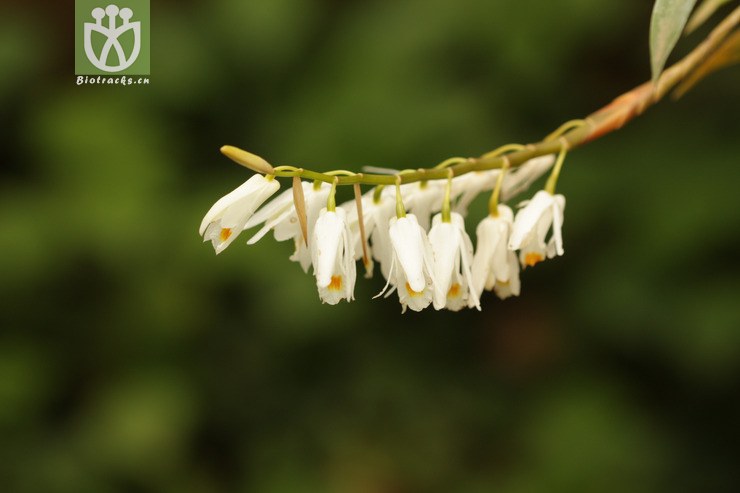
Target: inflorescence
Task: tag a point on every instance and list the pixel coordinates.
(411, 223)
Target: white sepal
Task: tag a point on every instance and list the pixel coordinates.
(333, 257)
(229, 215)
(491, 263)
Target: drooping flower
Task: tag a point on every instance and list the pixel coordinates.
(521, 178)
(512, 287)
(453, 255)
(469, 186)
(382, 211)
(229, 215)
(412, 267)
(495, 267)
(333, 257)
(422, 199)
(280, 216)
(531, 226)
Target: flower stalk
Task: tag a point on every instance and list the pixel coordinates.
(573, 133)
(434, 263)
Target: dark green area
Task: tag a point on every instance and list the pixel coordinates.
(132, 359)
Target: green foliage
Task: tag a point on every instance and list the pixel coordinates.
(666, 25)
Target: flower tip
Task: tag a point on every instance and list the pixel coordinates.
(247, 159)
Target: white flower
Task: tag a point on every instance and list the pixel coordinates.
(469, 186)
(273, 213)
(412, 267)
(229, 215)
(453, 254)
(531, 226)
(495, 267)
(422, 199)
(333, 257)
(353, 220)
(512, 287)
(381, 213)
(520, 179)
(280, 216)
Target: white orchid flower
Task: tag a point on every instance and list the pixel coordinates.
(412, 267)
(453, 255)
(353, 220)
(531, 226)
(280, 216)
(422, 199)
(229, 215)
(512, 286)
(495, 267)
(521, 178)
(469, 186)
(382, 212)
(333, 257)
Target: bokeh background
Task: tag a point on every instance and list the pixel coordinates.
(132, 359)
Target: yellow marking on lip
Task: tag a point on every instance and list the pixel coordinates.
(532, 259)
(412, 292)
(335, 284)
(225, 234)
(454, 291)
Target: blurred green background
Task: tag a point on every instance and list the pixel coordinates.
(132, 359)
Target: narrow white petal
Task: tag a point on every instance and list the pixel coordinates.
(521, 178)
(302, 254)
(466, 256)
(274, 207)
(445, 242)
(483, 258)
(405, 235)
(512, 287)
(326, 240)
(557, 223)
(527, 219)
(270, 225)
(236, 207)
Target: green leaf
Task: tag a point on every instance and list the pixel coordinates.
(703, 12)
(666, 25)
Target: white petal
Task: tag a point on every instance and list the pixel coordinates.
(405, 235)
(527, 219)
(382, 250)
(512, 287)
(326, 240)
(236, 207)
(425, 200)
(557, 223)
(272, 223)
(302, 254)
(466, 256)
(477, 183)
(483, 258)
(521, 178)
(445, 242)
(274, 207)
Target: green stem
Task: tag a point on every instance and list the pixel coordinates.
(331, 203)
(493, 202)
(572, 134)
(400, 209)
(552, 181)
(446, 214)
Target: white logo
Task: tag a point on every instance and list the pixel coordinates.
(112, 33)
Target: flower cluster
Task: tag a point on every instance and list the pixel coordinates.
(415, 232)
